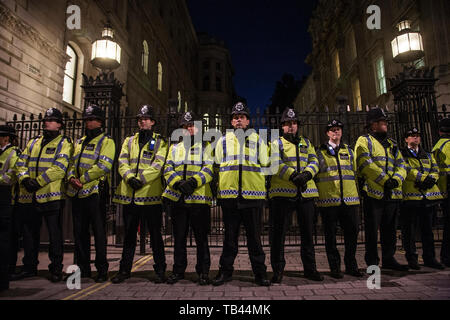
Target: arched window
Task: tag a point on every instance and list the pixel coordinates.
(160, 76)
(145, 53)
(206, 83)
(70, 76)
(185, 106)
(179, 101)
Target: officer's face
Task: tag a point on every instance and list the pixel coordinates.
(52, 125)
(190, 129)
(335, 133)
(240, 121)
(380, 126)
(4, 140)
(146, 123)
(290, 127)
(93, 124)
(413, 141)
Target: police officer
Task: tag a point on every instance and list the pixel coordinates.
(420, 195)
(382, 169)
(441, 153)
(140, 165)
(292, 189)
(241, 193)
(188, 173)
(41, 171)
(89, 176)
(9, 154)
(338, 199)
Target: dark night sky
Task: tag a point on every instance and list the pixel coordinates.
(266, 38)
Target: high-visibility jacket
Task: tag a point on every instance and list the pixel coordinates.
(145, 164)
(293, 158)
(197, 163)
(8, 175)
(441, 153)
(419, 166)
(91, 163)
(48, 165)
(336, 179)
(377, 164)
(241, 166)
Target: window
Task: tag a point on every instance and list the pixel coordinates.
(337, 68)
(160, 76)
(205, 65)
(206, 117)
(70, 76)
(356, 94)
(144, 60)
(380, 76)
(219, 84)
(179, 101)
(206, 83)
(185, 106)
(218, 66)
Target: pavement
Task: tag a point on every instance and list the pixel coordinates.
(425, 284)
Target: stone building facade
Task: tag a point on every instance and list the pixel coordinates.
(42, 60)
(352, 64)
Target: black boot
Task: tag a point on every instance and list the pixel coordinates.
(413, 264)
(277, 277)
(160, 277)
(203, 279)
(56, 277)
(313, 275)
(394, 265)
(22, 275)
(102, 277)
(434, 264)
(221, 278)
(336, 273)
(354, 272)
(261, 280)
(121, 277)
(175, 277)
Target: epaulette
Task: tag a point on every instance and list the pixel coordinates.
(36, 137)
(68, 139)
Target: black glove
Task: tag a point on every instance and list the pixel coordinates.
(31, 184)
(135, 183)
(300, 179)
(391, 184)
(176, 185)
(428, 183)
(188, 187)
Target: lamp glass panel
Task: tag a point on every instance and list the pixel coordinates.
(403, 43)
(394, 46)
(414, 41)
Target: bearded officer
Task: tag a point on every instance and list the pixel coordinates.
(338, 199)
(41, 171)
(241, 155)
(188, 172)
(420, 197)
(9, 154)
(292, 189)
(141, 161)
(89, 179)
(441, 153)
(382, 170)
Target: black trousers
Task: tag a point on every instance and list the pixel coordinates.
(445, 249)
(281, 214)
(198, 217)
(5, 235)
(88, 212)
(414, 215)
(152, 216)
(232, 219)
(349, 221)
(380, 214)
(31, 218)
(15, 235)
